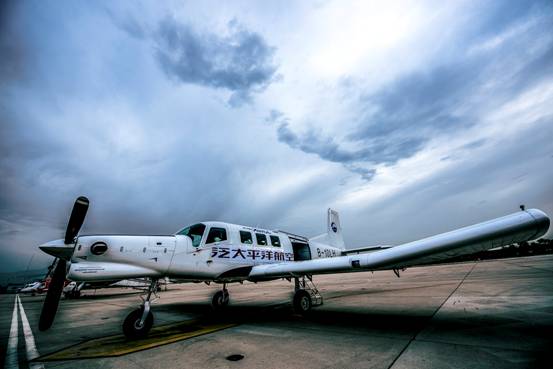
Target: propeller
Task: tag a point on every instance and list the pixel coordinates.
(76, 219)
(51, 302)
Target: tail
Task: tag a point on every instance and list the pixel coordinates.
(333, 236)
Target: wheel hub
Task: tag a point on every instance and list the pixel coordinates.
(137, 324)
(304, 303)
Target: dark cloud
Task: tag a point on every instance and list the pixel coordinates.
(312, 142)
(12, 44)
(127, 23)
(397, 120)
(483, 187)
(240, 62)
(366, 174)
(380, 151)
(453, 96)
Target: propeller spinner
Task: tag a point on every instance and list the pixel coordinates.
(51, 302)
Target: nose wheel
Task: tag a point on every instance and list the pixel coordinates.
(221, 299)
(139, 322)
(134, 328)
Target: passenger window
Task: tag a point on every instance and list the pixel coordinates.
(246, 237)
(261, 239)
(275, 241)
(216, 235)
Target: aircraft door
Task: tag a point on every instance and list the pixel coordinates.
(182, 262)
(301, 251)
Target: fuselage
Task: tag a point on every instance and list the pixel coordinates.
(207, 251)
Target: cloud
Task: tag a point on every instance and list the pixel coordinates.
(12, 43)
(240, 61)
(312, 142)
(118, 105)
(398, 119)
(500, 175)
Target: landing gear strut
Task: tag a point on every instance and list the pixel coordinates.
(139, 322)
(306, 295)
(221, 298)
(75, 292)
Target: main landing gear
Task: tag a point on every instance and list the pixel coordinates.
(306, 295)
(220, 299)
(139, 322)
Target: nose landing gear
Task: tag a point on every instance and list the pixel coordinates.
(139, 322)
(220, 299)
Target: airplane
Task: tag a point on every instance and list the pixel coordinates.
(34, 288)
(72, 289)
(225, 253)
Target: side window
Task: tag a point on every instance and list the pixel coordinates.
(275, 241)
(261, 239)
(246, 237)
(216, 235)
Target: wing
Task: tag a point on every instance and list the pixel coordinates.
(361, 250)
(513, 228)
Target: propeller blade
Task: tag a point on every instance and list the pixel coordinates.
(76, 219)
(50, 268)
(52, 300)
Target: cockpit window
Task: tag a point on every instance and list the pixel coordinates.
(195, 232)
(216, 235)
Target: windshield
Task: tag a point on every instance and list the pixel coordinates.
(195, 232)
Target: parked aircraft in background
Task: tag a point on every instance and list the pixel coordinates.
(225, 253)
(34, 288)
(73, 289)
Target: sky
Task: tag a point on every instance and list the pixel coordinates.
(410, 118)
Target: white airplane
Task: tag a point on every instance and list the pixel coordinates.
(33, 288)
(73, 289)
(224, 253)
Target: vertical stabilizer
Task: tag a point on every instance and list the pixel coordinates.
(334, 230)
(333, 236)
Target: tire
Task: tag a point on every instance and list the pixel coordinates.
(302, 302)
(220, 300)
(131, 329)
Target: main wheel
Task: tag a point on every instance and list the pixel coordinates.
(220, 300)
(302, 302)
(131, 326)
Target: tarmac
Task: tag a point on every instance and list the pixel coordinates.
(473, 315)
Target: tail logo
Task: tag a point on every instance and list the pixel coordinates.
(334, 228)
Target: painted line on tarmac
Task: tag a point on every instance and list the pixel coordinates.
(119, 345)
(30, 346)
(13, 340)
